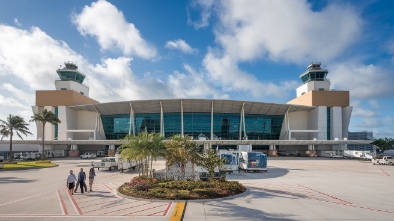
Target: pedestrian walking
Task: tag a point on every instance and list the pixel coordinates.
(71, 179)
(81, 180)
(77, 185)
(92, 174)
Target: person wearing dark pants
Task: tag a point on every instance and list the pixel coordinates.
(81, 180)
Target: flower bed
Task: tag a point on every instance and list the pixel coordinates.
(149, 188)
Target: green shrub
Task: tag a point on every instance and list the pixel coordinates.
(202, 192)
(183, 194)
(43, 161)
(9, 162)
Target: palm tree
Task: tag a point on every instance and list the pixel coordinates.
(181, 150)
(13, 124)
(44, 117)
(144, 149)
(156, 148)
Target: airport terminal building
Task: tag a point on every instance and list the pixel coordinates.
(316, 120)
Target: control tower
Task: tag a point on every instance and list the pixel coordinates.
(314, 78)
(332, 112)
(71, 79)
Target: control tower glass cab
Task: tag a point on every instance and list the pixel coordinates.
(314, 78)
(70, 78)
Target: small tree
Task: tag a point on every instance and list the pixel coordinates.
(181, 150)
(44, 117)
(210, 161)
(13, 124)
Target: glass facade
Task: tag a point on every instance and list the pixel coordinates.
(226, 126)
(314, 76)
(148, 122)
(116, 126)
(71, 76)
(263, 127)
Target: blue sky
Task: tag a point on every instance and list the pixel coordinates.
(244, 50)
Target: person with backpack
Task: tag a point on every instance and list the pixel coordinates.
(92, 174)
(81, 181)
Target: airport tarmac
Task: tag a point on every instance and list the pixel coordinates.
(292, 189)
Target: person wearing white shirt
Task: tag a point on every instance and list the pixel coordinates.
(71, 179)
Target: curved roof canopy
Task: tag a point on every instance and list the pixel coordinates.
(191, 105)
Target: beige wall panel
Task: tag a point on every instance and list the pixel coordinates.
(323, 98)
(61, 98)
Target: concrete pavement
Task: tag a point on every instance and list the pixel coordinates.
(292, 189)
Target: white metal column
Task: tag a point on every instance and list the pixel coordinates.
(212, 121)
(241, 122)
(244, 122)
(161, 120)
(97, 126)
(182, 118)
(131, 120)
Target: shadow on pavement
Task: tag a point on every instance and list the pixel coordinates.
(228, 209)
(15, 180)
(273, 172)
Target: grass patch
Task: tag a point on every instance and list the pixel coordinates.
(28, 165)
(149, 188)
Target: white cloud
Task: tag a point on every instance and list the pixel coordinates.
(205, 8)
(21, 95)
(32, 56)
(374, 104)
(105, 22)
(363, 81)
(17, 22)
(180, 45)
(192, 84)
(364, 113)
(285, 31)
(225, 71)
(10, 102)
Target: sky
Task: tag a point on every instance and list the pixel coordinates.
(252, 50)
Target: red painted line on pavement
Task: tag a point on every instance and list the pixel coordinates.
(111, 206)
(75, 204)
(333, 197)
(144, 210)
(64, 208)
(385, 172)
(106, 186)
(124, 209)
(99, 203)
(165, 211)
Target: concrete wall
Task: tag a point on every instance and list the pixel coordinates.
(346, 114)
(69, 122)
(72, 85)
(336, 123)
(317, 120)
(313, 85)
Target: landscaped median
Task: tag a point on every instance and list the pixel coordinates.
(150, 188)
(27, 165)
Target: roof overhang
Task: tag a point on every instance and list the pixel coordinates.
(200, 142)
(191, 105)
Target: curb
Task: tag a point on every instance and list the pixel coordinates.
(247, 191)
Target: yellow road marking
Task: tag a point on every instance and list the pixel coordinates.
(178, 211)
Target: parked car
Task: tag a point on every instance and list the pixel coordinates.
(386, 160)
(105, 163)
(88, 156)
